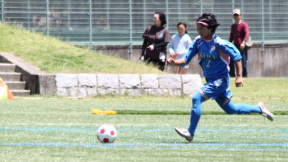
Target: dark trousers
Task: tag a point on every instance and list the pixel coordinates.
(156, 62)
(244, 54)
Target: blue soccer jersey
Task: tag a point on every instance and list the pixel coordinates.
(213, 56)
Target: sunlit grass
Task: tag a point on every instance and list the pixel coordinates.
(55, 56)
(272, 89)
(65, 130)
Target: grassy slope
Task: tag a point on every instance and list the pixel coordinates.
(52, 55)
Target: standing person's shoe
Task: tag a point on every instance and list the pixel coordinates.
(184, 133)
(265, 111)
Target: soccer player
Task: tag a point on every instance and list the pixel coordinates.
(214, 55)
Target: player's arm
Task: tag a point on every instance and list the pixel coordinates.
(171, 61)
(235, 56)
(238, 80)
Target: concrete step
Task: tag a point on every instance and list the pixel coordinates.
(20, 92)
(7, 67)
(10, 76)
(15, 84)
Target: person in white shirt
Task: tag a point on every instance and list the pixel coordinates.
(179, 46)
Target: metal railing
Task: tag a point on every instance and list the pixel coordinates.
(122, 22)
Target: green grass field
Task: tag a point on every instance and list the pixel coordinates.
(52, 128)
(65, 130)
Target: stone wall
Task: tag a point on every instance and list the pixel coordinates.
(90, 85)
(130, 84)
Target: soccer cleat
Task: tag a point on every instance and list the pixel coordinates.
(265, 111)
(184, 133)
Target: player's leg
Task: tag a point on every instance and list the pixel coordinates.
(212, 89)
(195, 115)
(240, 108)
(196, 111)
(265, 112)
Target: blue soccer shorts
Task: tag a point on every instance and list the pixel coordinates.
(215, 88)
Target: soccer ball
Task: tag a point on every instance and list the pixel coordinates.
(106, 133)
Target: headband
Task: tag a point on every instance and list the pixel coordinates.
(203, 23)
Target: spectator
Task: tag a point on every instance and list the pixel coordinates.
(156, 38)
(179, 46)
(239, 35)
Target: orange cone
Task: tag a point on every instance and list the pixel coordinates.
(5, 92)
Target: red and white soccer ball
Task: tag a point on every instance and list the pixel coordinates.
(106, 133)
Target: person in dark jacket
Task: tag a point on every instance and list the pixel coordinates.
(156, 38)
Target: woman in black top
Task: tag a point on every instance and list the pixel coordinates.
(156, 38)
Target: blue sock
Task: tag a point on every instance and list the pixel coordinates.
(238, 108)
(196, 112)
